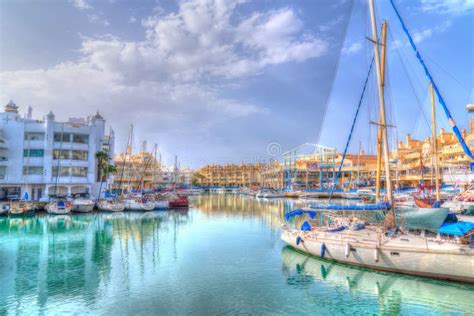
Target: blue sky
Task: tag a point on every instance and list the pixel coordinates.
(217, 81)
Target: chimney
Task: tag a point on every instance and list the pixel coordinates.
(464, 133)
(408, 139)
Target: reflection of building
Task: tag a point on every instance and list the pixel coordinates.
(49, 157)
(244, 175)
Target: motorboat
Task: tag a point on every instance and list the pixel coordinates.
(4, 208)
(22, 208)
(83, 205)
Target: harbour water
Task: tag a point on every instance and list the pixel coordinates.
(222, 256)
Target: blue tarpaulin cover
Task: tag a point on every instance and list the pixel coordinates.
(456, 229)
(365, 207)
(306, 227)
(299, 212)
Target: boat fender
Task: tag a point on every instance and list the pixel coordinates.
(376, 254)
(323, 250)
(348, 249)
(299, 240)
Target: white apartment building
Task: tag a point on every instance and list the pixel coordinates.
(46, 157)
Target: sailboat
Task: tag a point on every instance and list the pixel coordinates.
(389, 248)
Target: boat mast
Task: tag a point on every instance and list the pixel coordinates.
(434, 157)
(380, 126)
(383, 118)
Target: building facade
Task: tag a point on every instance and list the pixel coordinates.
(48, 157)
(243, 175)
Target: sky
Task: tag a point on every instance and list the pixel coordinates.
(217, 81)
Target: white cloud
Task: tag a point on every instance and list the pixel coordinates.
(447, 6)
(420, 36)
(352, 49)
(81, 5)
(171, 81)
(96, 18)
(132, 19)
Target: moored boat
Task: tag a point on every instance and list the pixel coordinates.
(407, 254)
(4, 208)
(179, 201)
(83, 205)
(110, 206)
(59, 207)
(138, 204)
(22, 208)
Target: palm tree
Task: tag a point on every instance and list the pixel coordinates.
(102, 159)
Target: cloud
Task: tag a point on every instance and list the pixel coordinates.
(420, 36)
(97, 18)
(172, 83)
(132, 19)
(81, 5)
(453, 7)
(352, 49)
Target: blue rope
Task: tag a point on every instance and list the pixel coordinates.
(352, 129)
(466, 149)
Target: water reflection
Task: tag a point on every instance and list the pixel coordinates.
(394, 293)
(223, 256)
(69, 257)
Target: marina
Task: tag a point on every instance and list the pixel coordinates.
(207, 157)
(141, 262)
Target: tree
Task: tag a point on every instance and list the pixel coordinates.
(102, 158)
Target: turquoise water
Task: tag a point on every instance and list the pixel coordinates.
(223, 256)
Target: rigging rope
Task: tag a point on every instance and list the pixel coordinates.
(456, 131)
(336, 179)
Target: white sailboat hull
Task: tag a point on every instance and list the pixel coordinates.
(162, 205)
(139, 206)
(55, 210)
(455, 262)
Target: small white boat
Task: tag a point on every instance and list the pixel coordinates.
(82, 205)
(4, 208)
(110, 206)
(59, 207)
(138, 205)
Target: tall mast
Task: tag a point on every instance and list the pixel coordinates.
(434, 156)
(379, 127)
(381, 102)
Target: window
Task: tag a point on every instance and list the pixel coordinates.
(70, 154)
(3, 172)
(63, 171)
(34, 136)
(79, 171)
(61, 154)
(70, 171)
(32, 170)
(80, 139)
(79, 155)
(33, 153)
(66, 137)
